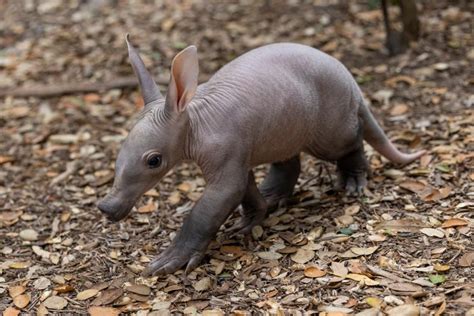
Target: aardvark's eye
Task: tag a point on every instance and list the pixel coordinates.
(153, 160)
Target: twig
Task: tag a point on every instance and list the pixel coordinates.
(386, 274)
(71, 167)
(51, 90)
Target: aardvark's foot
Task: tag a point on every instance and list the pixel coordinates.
(352, 184)
(248, 220)
(176, 256)
(352, 171)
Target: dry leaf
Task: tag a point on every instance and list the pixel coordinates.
(14, 291)
(374, 302)
(64, 288)
(107, 297)
(392, 82)
(466, 259)
(344, 220)
(302, 255)
(399, 109)
(203, 284)
(29, 234)
(41, 310)
(441, 267)
(432, 232)
(11, 311)
(401, 225)
(364, 251)
(5, 159)
(413, 186)
(352, 210)
(55, 302)
(87, 294)
(9, 218)
(41, 283)
(404, 310)
(314, 272)
(212, 312)
(139, 289)
(269, 255)
(404, 287)
(454, 222)
(362, 278)
(339, 269)
(103, 311)
(21, 301)
(41, 252)
(174, 198)
(148, 208)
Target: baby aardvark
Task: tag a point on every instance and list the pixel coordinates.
(266, 106)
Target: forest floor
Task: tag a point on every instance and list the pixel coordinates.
(404, 248)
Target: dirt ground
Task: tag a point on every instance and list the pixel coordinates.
(404, 248)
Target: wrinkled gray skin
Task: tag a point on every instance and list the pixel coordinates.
(266, 106)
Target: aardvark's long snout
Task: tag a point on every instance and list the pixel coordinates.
(115, 207)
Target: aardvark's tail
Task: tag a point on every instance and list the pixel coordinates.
(376, 137)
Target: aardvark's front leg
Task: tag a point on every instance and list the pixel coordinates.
(222, 195)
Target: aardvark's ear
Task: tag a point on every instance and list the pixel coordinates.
(184, 79)
(148, 87)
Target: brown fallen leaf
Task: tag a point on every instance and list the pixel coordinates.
(441, 267)
(303, 255)
(466, 259)
(41, 310)
(139, 289)
(29, 235)
(21, 301)
(404, 287)
(431, 194)
(401, 225)
(364, 251)
(55, 302)
(454, 222)
(392, 82)
(9, 218)
(339, 269)
(269, 255)
(11, 311)
(14, 291)
(352, 210)
(404, 310)
(314, 272)
(362, 278)
(5, 159)
(374, 302)
(107, 297)
(412, 185)
(398, 109)
(203, 284)
(64, 288)
(148, 208)
(432, 232)
(87, 294)
(103, 311)
(20, 265)
(212, 312)
(441, 309)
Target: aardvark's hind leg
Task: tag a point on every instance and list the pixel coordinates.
(280, 181)
(254, 207)
(352, 171)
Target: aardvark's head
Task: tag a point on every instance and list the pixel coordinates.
(157, 141)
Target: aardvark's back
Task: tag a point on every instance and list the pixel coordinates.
(282, 99)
